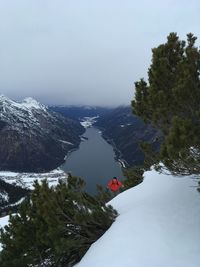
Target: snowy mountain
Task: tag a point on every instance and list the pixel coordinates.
(158, 225)
(33, 138)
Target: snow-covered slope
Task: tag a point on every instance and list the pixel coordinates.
(158, 226)
(33, 138)
(3, 222)
(16, 113)
(26, 180)
(87, 122)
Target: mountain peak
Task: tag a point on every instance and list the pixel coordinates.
(32, 138)
(30, 102)
(4, 98)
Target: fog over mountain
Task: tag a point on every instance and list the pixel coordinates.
(85, 52)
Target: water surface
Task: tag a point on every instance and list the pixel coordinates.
(94, 161)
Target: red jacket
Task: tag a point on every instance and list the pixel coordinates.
(114, 185)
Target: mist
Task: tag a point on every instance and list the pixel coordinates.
(85, 52)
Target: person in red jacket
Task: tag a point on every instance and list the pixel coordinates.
(114, 185)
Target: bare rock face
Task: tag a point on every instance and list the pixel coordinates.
(33, 138)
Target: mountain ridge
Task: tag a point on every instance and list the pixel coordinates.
(31, 136)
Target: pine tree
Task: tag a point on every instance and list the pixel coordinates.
(134, 176)
(55, 226)
(170, 101)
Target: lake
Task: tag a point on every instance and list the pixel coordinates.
(94, 161)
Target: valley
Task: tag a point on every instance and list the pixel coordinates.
(99, 133)
(91, 142)
(120, 128)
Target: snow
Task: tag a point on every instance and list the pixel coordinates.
(158, 225)
(8, 174)
(4, 197)
(122, 163)
(26, 180)
(124, 125)
(29, 103)
(16, 203)
(3, 222)
(20, 115)
(66, 142)
(88, 121)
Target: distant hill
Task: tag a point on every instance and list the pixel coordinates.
(34, 138)
(126, 131)
(78, 113)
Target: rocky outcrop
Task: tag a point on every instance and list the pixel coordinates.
(33, 138)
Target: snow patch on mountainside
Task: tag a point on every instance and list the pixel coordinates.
(158, 225)
(3, 223)
(27, 104)
(16, 203)
(4, 197)
(66, 142)
(88, 121)
(26, 180)
(30, 103)
(20, 115)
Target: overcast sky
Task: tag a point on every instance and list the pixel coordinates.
(85, 51)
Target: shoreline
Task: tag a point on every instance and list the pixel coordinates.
(117, 152)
